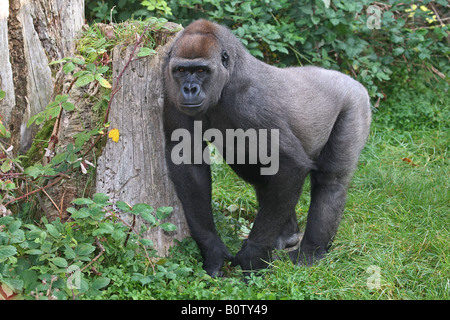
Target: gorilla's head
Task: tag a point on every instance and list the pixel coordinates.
(198, 67)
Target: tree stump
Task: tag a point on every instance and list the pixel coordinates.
(33, 33)
(134, 169)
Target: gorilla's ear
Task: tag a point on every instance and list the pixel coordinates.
(225, 58)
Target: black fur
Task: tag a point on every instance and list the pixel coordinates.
(323, 118)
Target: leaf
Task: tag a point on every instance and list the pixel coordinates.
(84, 80)
(146, 52)
(34, 171)
(103, 82)
(68, 106)
(123, 206)
(14, 284)
(168, 226)
(163, 212)
(100, 198)
(78, 61)
(104, 228)
(60, 157)
(81, 201)
(68, 67)
(7, 251)
(141, 208)
(148, 217)
(60, 262)
(2, 94)
(34, 252)
(80, 214)
(146, 242)
(84, 249)
(100, 283)
(59, 99)
(114, 135)
(52, 230)
(118, 234)
(6, 166)
(398, 51)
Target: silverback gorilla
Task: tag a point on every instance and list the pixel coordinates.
(322, 118)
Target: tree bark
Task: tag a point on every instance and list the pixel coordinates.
(134, 169)
(33, 33)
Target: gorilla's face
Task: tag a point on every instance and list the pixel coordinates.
(196, 73)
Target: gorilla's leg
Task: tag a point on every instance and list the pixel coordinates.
(278, 198)
(289, 235)
(335, 167)
(328, 195)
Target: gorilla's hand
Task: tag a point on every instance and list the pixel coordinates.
(252, 256)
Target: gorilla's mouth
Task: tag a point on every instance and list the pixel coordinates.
(191, 105)
(191, 109)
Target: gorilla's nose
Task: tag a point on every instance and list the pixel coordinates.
(191, 90)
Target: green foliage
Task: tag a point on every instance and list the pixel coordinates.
(113, 11)
(4, 133)
(420, 103)
(366, 41)
(55, 260)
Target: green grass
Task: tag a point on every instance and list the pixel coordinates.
(396, 220)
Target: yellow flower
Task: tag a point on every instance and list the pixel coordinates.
(114, 135)
(412, 10)
(423, 8)
(431, 20)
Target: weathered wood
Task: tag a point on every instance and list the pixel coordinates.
(33, 33)
(134, 169)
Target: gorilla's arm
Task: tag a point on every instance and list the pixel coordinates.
(193, 186)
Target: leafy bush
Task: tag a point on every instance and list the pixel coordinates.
(367, 41)
(55, 260)
(370, 41)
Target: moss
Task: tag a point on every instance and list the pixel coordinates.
(40, 142)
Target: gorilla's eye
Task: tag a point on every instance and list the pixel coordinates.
(181, 70)
(200, 70)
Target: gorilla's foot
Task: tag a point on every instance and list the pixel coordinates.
(306, 258)
(252, 256)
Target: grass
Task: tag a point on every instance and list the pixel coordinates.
(396, 219)
(392, 243)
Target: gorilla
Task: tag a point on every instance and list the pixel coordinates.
(322, 118)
